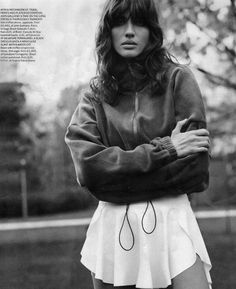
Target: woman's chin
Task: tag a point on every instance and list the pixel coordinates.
(129, 53)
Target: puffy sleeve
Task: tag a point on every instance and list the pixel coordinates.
(149, 171)
(188, 99)
(97, 164)
(189, 104)
(181, 176)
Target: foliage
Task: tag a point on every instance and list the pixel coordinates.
(54, 164)
(41, 204)
(199, 32)
(203, 33)
(15, 144)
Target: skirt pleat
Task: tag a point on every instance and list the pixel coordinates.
(144, 244)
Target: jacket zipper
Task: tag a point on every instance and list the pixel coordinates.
(136, 106)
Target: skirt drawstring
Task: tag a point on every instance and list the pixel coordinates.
(155, 218)
(132, 233)
(126, 217)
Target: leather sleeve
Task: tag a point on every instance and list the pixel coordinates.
(97, 164)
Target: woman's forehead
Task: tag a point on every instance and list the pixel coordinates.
(128, 12)
(129, 8)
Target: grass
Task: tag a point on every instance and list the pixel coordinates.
(222, 251)
(43, 266)
(56, 265)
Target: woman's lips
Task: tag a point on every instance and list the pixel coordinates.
(129, 44)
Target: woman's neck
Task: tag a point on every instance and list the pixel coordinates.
(130, 73)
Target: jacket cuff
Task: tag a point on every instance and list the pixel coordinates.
(166, 143)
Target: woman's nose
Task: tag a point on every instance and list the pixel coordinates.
(129, 29)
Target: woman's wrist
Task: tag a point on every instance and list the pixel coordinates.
(166, 143)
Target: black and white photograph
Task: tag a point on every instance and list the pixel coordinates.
(117, 144)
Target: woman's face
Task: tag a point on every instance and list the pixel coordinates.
(128, 39)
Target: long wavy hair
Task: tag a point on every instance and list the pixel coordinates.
(149, 66)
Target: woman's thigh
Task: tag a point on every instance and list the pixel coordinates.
(192, 278)
(98, 284)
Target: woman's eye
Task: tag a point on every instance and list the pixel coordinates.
(118, 21)
(139, 22)
(121, 20)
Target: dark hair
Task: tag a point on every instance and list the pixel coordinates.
(153, 59)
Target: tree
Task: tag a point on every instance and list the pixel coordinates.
(202, 33)
(14, 145)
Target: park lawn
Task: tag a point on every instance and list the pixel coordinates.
(56, 265)
(222, 251)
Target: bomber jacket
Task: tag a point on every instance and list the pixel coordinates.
(124, 153)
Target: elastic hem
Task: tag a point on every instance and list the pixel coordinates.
(166, 143)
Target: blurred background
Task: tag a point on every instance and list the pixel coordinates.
(43, 212)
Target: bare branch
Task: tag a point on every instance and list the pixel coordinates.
(216, 79)
(233, 7)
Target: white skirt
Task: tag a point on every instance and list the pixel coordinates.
(144, 244)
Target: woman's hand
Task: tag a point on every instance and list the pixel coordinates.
(189, 142)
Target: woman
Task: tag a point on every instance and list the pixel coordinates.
(139, 143)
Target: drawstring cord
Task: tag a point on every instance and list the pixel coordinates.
(155, 218)
(126, 217)
(132, 233)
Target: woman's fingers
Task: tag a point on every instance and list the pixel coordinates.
(202, 141)
(199, 149)
(205, 144)
(179, 125)
(200, 132)
(191, 142)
